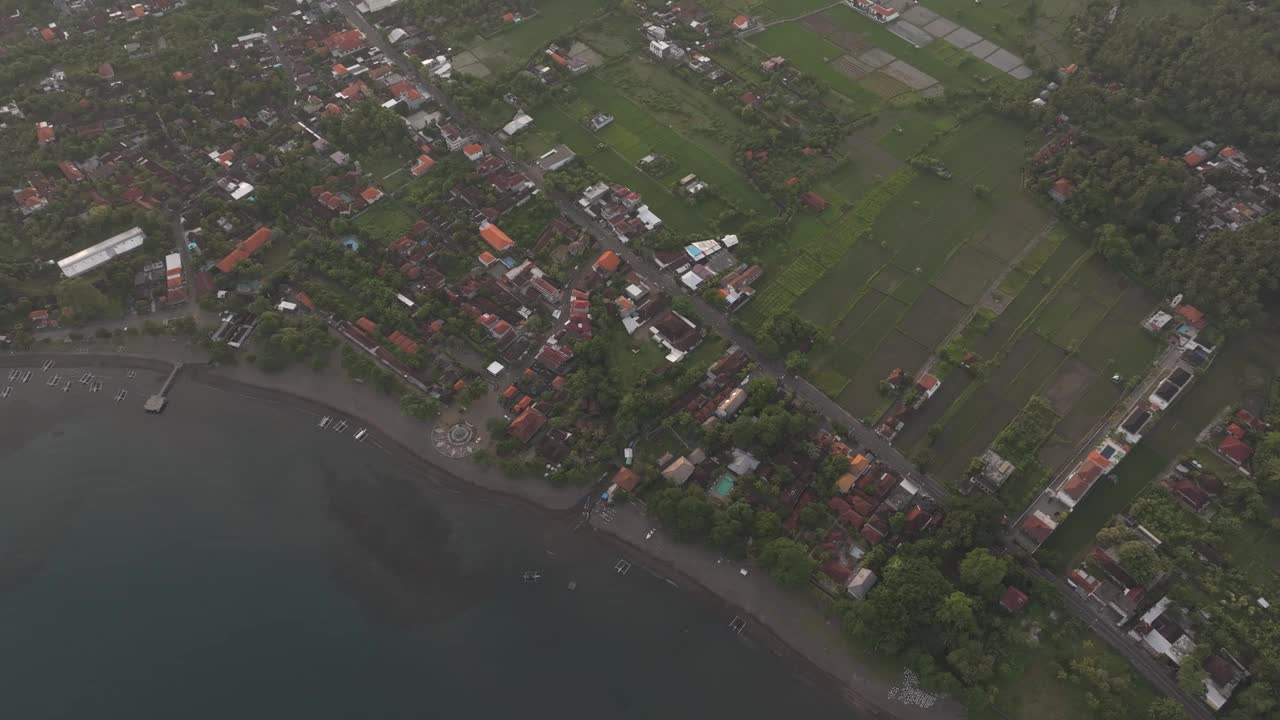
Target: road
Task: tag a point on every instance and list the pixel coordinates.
(1142, 662)
(861, 435)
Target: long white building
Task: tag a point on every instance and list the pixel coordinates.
(105, 251)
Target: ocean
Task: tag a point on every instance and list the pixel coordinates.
(231, 559)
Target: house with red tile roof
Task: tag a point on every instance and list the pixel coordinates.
(244, 250)
(473, 151)
(1192, 316)
(182, 75)
(814, 201)
(368, 326)
(344, 43)
(527, 424)
(1013, 600)
(45, 133)
(1235, 450)
(1061, 190)
(403, 342)
(625, 479)
(742, 22)
(40, 319)
(1038, 527)
(29, 200)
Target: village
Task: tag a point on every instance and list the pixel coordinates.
(651, 314)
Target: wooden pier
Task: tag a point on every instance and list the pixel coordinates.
(156, 403)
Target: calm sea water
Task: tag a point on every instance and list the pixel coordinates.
(230, 559)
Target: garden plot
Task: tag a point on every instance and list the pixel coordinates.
(921, 15)
(940, 27)
(1069, 385)
(963, 38)
(852, 320)
(851, 67)
(909, 75)
(932, 318)
(911, 33)
(982, 49)
(877, 58)
(1003, 60)
(822, 26)
(1047, 360)
(467, 63)
(884, 85)
(968, 274)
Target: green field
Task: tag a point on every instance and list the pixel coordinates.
(927, 249)
(385, 221)
(674, 212)
(1072, 301)
(514, 46)
(635, 133)
(811, 54)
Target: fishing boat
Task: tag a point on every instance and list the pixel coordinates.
(532, 576)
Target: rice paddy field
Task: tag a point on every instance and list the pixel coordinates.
(924, 256)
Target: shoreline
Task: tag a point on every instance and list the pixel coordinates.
(814, 664)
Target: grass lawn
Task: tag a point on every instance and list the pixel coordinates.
(381, 164)
(1032, 690)
(684, 107)
(635, 133)
(674, 212)
(514, 46)
(385, 221)
(812, 54)
(612, 35)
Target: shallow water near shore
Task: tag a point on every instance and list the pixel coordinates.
(229, 558)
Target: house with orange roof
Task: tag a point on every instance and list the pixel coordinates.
(473, 151)
(742, 22)
(182, 75)
(244, 250)
(425, 163)
(371, 195)
(45, 133)
(355, 89)
(608, 262)
(497, 239)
